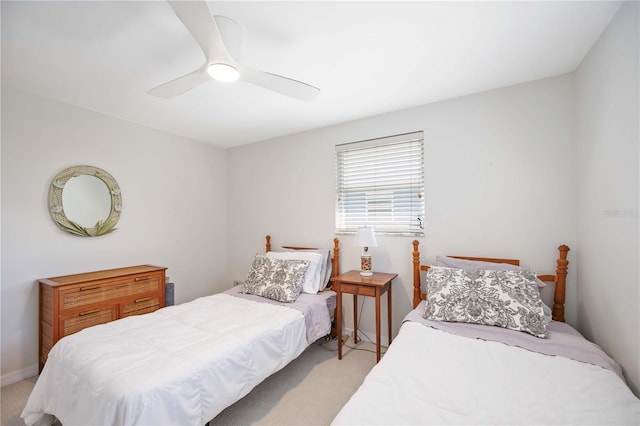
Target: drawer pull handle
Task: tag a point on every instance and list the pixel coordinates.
(142, 300)
(88, 312)
(89, 288)
(142, 279)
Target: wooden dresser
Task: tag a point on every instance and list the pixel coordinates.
(73, 302)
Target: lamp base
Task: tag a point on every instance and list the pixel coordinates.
(365, 265)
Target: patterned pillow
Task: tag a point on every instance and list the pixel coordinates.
(276, 279)
(508, 299)
(453, 262)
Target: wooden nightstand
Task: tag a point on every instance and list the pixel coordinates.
(353, 283)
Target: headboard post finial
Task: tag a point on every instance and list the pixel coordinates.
(268, 244)
(561, 283)
(416, 274)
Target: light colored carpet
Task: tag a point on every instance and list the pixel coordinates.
(309, 391)
(13, 398)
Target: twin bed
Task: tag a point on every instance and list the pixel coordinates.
(453, 372)
(185, 364)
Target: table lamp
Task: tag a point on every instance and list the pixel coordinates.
(365, 238)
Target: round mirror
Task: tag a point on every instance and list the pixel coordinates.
(85, 201)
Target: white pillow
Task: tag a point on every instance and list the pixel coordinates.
(327, 266)
(548, 314)
(312, 282)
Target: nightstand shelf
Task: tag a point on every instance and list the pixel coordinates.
(374, 286)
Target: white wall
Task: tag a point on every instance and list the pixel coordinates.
(500, 181)
(174, 210)
(608, 116)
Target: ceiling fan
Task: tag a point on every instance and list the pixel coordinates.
(220, 65)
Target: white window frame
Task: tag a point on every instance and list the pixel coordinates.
(380, 184)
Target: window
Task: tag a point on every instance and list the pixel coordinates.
(380, 184)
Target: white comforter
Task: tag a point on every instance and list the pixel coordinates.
(180, 365)
(430, 376)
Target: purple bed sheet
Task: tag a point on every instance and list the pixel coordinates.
(316, 309)
(563, 340)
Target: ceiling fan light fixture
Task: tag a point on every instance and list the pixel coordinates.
(221, 62)
(223, 72)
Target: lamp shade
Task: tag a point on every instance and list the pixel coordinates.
(365, 237)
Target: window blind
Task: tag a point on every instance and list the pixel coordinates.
(380, 184)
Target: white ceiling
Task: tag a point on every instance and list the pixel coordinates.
(367, 58)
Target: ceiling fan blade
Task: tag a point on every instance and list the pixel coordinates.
(283, 85)
(181, 84)
(197, 18)
(195, 15)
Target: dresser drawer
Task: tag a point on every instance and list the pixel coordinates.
(141, 306)
(91, 293)
(70, 324)
(145, 284)
(97, 292)
(357, 290)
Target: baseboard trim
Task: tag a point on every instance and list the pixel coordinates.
(16, 376)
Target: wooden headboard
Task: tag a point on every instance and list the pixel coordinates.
(335, 256)
(335, 264)
(560, 278)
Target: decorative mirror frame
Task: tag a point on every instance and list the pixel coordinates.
(56, 208)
